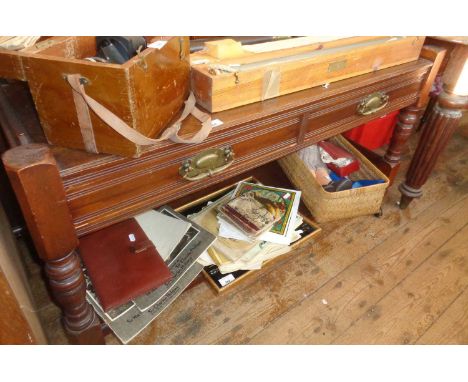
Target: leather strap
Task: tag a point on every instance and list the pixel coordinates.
(83, 101)
(84, 120)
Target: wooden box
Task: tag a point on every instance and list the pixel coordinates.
(227, 75)
(147, 92)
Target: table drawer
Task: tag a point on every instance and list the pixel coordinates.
(159, 181)
(358, 107)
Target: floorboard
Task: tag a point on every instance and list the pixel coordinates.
(331, 310)
(452, 326)
(404, 314)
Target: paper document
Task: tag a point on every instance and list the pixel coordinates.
(164, 231)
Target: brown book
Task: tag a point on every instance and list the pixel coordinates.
(120, 269)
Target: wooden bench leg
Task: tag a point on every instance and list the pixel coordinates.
(35, 178)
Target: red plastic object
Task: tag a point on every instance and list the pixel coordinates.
(374, 134)
(338, 152)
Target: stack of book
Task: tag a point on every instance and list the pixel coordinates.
(137, 268)
(253, 223)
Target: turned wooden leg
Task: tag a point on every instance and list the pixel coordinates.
(407, 120)
(438, 129)
(69, 289)
(34, 175)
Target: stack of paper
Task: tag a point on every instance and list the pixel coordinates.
(180, 243)
(236, 251)
(164, 231)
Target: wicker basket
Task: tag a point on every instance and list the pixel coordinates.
(326, 206)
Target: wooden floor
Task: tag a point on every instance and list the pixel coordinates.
(398, 279)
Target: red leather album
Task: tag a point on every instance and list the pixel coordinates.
(122, 263)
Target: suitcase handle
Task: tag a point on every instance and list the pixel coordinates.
(83, 103)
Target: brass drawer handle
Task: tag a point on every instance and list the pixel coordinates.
(372, 103)
(207, 163)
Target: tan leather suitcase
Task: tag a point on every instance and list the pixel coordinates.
(147, 92)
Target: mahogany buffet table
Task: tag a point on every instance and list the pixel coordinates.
(65, 193)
